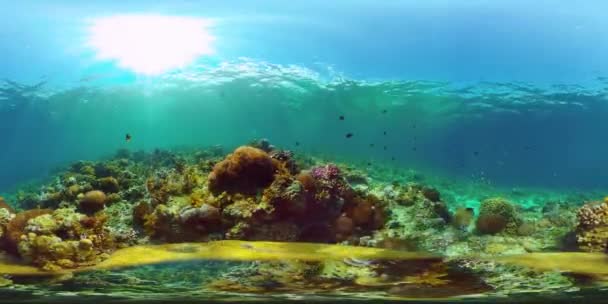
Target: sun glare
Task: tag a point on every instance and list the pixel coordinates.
(150, 44)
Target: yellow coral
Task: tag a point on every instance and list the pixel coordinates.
(60, 240)
(593, 240)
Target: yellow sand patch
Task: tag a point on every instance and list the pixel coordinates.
(229, 251)
(575, 262)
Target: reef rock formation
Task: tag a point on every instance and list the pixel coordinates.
(245, 171)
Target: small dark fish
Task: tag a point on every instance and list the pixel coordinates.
(297, 143)
(349, 135)
(385, 148)
(128, 137)
(384, 132)
(414, 149)
(341, 117)
(384, 111)
(392, 158)
(369, 164)
(476, 153)
(371, 145)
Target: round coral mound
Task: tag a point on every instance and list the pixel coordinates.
(245, 171)
(496, 215)
(491, 223)
(93, 201)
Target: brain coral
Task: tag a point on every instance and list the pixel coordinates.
(245, 171)
(496, 215)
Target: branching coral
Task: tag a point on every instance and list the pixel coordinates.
(285, 158)
(592, 228)
(172, 182)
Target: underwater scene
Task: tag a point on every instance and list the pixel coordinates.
(303, 151)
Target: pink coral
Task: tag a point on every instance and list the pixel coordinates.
(327, 172)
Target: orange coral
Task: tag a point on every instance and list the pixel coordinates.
(307, 181)
(366, 211)
(244, 171)
(491, 223)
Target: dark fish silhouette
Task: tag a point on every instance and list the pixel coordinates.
(384, 132)
(371, 145)
(349, 135)
(297, 143)
(128, 137)
(385, 147)
(384, 111)
(341, 117)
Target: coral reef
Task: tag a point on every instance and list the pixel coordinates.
(256, 195)
(65, 239)
(15, 228)
(263, 193)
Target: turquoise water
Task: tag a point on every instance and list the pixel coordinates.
(475, 98)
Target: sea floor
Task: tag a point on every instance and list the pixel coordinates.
(265, 225)
(206, 282)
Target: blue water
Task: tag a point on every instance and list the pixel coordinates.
(508, 91)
